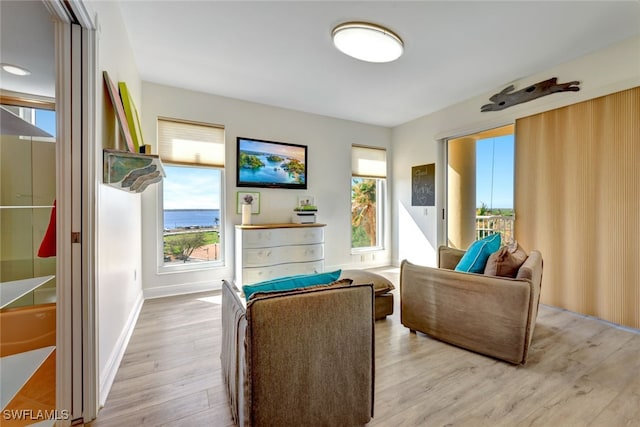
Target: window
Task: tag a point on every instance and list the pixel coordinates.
(43, 119)
(193, 158)
(369, 170)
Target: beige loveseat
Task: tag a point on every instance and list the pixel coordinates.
(491, 315)
(301, 357)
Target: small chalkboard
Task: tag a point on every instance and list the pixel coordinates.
(423, 185)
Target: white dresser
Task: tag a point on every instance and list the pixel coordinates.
(268, 251)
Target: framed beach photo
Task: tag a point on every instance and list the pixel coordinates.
(242, 196)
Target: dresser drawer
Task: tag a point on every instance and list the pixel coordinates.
(262, 238)
(260, 257)
(258, 274)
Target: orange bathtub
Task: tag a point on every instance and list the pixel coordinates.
(27, 328)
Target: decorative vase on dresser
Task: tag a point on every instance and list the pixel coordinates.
(246, 214)
(267, 251)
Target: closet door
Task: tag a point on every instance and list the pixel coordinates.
(577, 187)
(76, 369)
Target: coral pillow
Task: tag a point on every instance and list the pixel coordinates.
(506, 262)
(475, 259)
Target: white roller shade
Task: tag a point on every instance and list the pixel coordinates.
(190, 143)
(367, 162)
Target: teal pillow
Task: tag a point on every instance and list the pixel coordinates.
(291, 282)
(475, 259)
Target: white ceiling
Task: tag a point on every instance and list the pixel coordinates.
(27, 40)
(280, 52)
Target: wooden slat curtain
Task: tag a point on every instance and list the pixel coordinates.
(578, 202)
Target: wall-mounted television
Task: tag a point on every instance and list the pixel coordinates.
(271, 164)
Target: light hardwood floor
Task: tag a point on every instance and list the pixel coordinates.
(581, 372)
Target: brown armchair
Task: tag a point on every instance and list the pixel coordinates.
(301, 357)
(491, 315)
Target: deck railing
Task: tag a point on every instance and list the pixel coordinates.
(490, 224)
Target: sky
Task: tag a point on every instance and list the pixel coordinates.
(46, 120)
(191, 188)
(496, 153)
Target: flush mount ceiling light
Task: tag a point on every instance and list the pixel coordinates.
(367, 42)
(14, 69)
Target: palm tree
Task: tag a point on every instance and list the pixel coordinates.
(363, 207)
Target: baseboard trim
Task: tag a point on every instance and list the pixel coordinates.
(111, 369)
(182, 289)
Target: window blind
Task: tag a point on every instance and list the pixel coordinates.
(190, 143)
(577, 185)
(368, 162)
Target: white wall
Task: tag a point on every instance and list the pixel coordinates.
(128, 250)
(415, 235)
(119, 285)
(329, 171)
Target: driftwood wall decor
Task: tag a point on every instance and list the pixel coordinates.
(132, 172)
(506, 99)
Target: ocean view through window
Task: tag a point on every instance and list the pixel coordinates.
(192, 218)
(191, 215)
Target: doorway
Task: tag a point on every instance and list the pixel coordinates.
(480, 182)
(27, 261)
(59, 36)
(28, 183)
